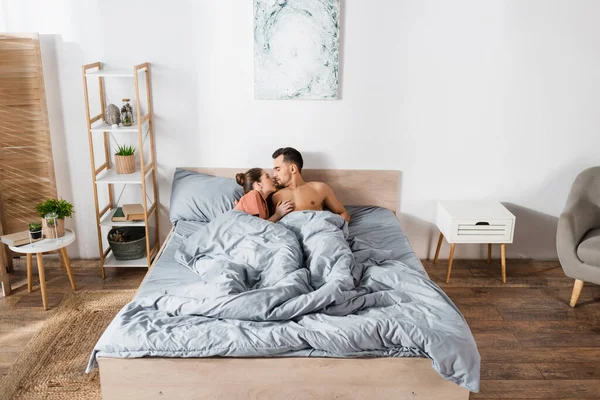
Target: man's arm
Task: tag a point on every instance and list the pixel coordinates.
(333, 204)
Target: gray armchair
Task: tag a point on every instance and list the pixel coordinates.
(578, 235)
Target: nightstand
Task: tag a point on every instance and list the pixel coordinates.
(45, 246)
(474, 222)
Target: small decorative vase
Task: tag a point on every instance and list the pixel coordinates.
(126, 113)
(112, 115)
(125, 164)
(53, 228)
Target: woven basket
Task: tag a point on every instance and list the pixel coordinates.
(49, 233)
(134, 249)
(125, 164)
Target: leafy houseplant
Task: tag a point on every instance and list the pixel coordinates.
(125, 159)
(35, 228)
(53, 213)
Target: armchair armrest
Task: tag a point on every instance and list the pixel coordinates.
(567, 240)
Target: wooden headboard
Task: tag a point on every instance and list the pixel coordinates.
(353, 187)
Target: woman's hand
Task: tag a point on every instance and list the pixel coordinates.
(282, 209)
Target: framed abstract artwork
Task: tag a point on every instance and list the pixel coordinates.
(296, 49)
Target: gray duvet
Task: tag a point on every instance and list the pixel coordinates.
(306, 286)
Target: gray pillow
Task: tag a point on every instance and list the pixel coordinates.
(201, 197)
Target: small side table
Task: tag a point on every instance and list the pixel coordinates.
(474, 222)
(45, 246)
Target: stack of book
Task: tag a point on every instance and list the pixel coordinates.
(129, 213)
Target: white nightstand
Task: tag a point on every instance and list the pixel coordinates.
(45, 246)
(474, 222)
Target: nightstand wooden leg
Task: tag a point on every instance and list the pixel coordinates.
(450, 259)
(65, 257)
(489, 253)
(29, 262)
(40, 264)
(503, 251)
(439, 246)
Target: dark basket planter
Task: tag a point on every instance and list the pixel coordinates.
(36, 234)
(135, 246)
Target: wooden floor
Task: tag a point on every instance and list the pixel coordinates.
(532, 344)
(21, 313)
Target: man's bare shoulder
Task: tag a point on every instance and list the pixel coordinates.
(281, 193)
(319, 186)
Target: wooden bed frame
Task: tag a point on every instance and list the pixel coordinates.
(286, 378)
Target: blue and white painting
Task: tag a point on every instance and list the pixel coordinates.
(296, 47)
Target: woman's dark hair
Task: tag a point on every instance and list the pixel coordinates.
(290, 155)
(247, 179)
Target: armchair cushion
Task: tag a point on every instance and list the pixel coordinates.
(588, 250)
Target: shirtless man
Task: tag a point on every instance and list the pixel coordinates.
(287, 167)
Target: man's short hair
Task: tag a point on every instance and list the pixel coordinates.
(290, 155)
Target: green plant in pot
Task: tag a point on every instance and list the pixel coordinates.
(125, 159)
(35, 230)
(53, 213)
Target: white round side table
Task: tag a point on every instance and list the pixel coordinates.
(44, 246)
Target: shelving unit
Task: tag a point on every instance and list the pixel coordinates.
(104, 175)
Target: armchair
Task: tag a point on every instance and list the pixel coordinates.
(578, 234)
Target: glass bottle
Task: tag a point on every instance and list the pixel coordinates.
(51, 228)
(126, 113)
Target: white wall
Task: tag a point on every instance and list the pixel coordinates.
(469, 99)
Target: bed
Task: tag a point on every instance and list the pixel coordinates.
(133, 365)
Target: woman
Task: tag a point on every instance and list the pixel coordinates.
(258, 186)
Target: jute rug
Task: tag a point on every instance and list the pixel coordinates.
(52, 364)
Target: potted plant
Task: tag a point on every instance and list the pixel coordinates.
(35, 230)
(53, 213)
(125, 159)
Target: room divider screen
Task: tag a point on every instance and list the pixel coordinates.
(26, 163)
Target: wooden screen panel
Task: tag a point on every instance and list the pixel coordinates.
(26, 163)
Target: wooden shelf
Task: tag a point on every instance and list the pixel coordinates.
(106, 220)
(110, 176)
(111, 262)
(103, 174)
(104, 127)
(115, 73)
